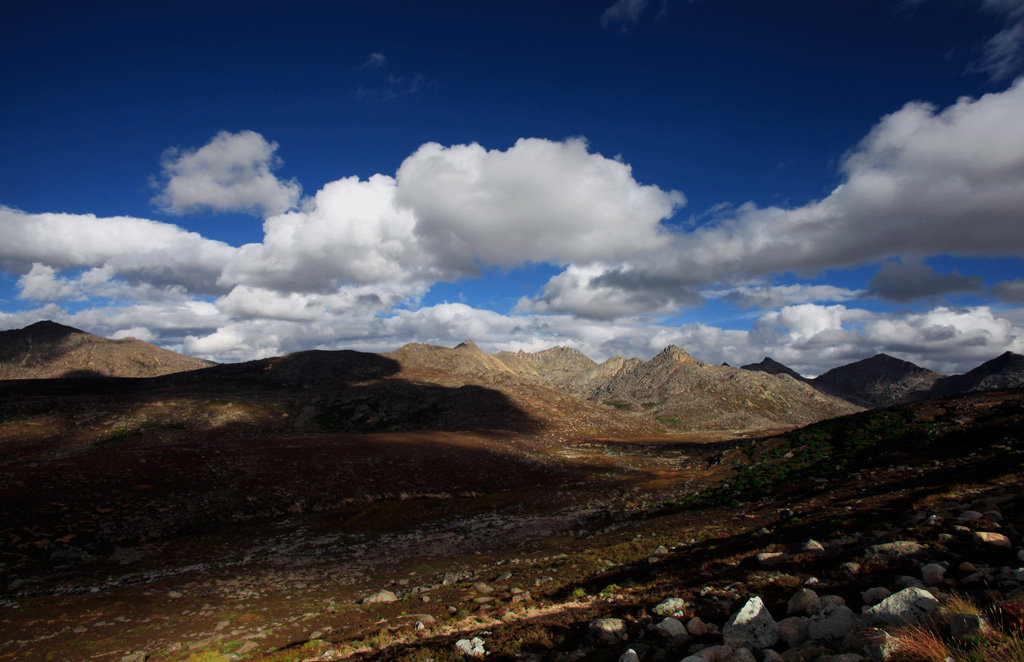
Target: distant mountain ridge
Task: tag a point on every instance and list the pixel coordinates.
(883, 380)
(559, 386)
(773, 367)
(47, 350)
(1004, 371)
(671, 392)
(879, 381)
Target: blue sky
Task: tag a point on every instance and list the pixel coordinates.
(817, 182)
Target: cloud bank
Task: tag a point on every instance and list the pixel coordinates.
(350, 265)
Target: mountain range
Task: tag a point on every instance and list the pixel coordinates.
(558, 388)
(883, 380)
(393, 507)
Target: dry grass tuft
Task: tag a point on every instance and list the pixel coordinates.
(920, 643)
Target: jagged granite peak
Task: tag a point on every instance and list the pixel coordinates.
(773, 367)
(46, 350)
(561, 356)
(675, 354)
(1004, 371)
(678, 390)
(878, 381)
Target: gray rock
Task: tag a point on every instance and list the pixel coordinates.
(832, 624)
(842, 657)
(876, 594)
(966, 625)
(991, 539)
(697, 627)
(715, 654)
(629, 656)
(993, 516)
(770, 559)
(743, 655)
(472, 647)
(751, 627)
(134, 657)
(969, 515)
(879, 644)
(911, 605)
(894, 551)
(608, 630)
(808, 547)
(669, 607)
(906, 581)
(794, 630)
(832, 601)
(933, 574)
(671, 627)
(383, 595)
(772, 656)
(804, 601)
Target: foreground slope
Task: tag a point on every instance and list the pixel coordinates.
(46, 349)
(231, 533)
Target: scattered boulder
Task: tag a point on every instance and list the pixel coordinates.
(832, 600)
(752, 626)
(671, 627)
(769, 559)
(875, 594)
(991, 539)
(383, 595)
(911, 605)
(808, 547)
(472, 647)
(794, 630)
(669, 607)
(804, 601)
(832, 624)
(629, 656)
(697, 627)
(712, 654)
(608, 630)
(966, 625)
(894, 551)
(933, 574)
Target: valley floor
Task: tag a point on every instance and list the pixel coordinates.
(174, 547)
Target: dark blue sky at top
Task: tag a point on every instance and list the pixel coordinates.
(726, 101)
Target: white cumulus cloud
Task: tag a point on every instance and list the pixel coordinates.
(539, 201)
(233, 172)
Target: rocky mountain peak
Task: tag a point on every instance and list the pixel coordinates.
(47, 349)
(772, 367)
(878, 381)
(675, 354)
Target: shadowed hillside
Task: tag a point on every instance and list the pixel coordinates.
(46, 349)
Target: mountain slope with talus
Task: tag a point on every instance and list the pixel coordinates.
(673, 392)
(682, 392)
